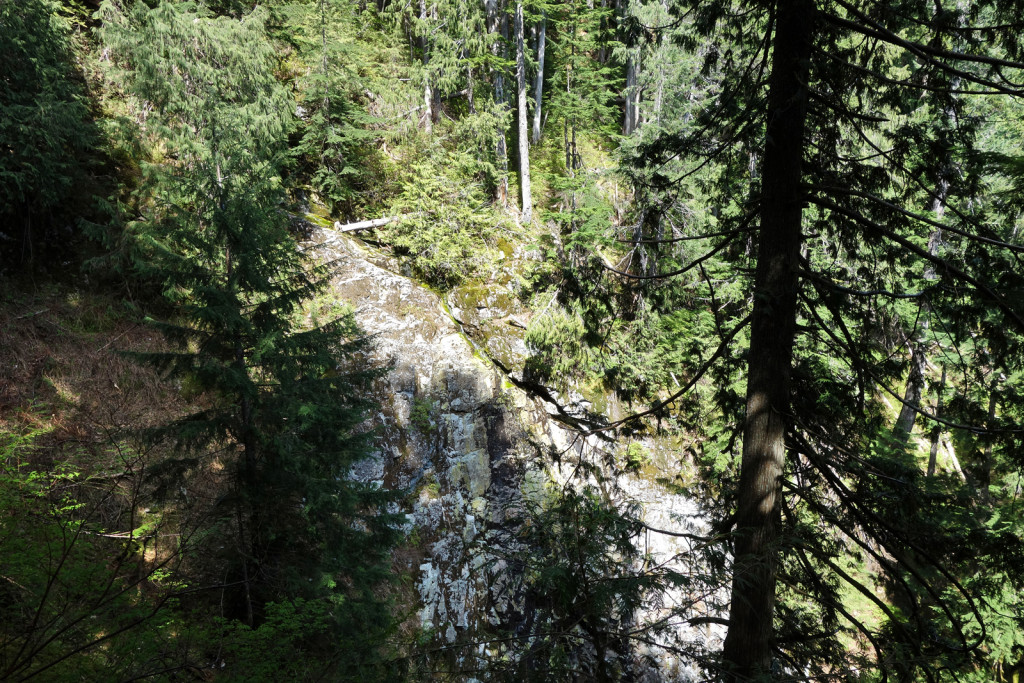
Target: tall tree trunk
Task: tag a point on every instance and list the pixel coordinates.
(497, 23)
(985, 473)
(428, 96)
(936, 434)
(749, 643)
(500, 25)
(435, 109)
(570, 147)
(568, 150)
(912, 395)
(538, 90)
(659, 93)
(632, 95)
(428, 106)
(323, 55)
(524, 139)
(659, 96)
(934, 242)
(254, 547)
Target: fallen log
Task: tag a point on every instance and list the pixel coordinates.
(365, 225)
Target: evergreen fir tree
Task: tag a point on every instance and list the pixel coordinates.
(821, 144)
(336, 151)
(284, 396)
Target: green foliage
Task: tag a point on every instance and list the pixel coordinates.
(582, 85)
(445, 224)
(636, 457)
(453, 49)
(46, 132)
(583, 213)
(584, 581)
(477, 133)
(78, 599)
(212, 126)
(893, 242)
(557, 348)
(278, 649)
(636, 340)
(421, 415)
(337, 151)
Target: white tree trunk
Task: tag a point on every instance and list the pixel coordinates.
(428, 96)
(369, 224)
(524, 140)
(542, 30)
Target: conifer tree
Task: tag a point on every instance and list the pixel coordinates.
(284, 395)
(336, 151)
(816, 112)
(582, 86)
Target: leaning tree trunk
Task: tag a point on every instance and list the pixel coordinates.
(524, 139)
(749, 643)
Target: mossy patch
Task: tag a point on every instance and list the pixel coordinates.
(505, 247)
(319, 221)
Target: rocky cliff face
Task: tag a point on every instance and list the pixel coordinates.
(472, 449)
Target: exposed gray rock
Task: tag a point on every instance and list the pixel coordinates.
(470, 447)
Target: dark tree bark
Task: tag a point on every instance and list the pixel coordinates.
(987, 461)
(912, 394)
(632, 97)
(749, 643)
